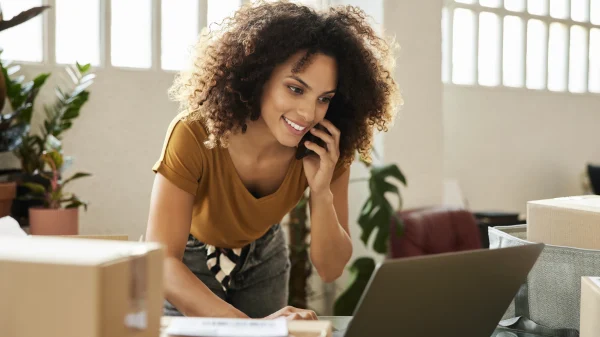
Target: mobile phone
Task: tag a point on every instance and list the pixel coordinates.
(302, 150)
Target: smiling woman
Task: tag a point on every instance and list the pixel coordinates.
(275, 79)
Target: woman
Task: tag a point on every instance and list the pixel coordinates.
(229, 169)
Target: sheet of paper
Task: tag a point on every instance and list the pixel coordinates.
(10, 227)
(226, 327)
(596, 280)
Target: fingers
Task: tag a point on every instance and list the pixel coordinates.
(327, 138)
(335, 132)
(307, 315)
(291, 313)
(318, 149)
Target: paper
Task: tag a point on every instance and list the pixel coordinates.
(596, 280)
(226, 327)
(10, 227)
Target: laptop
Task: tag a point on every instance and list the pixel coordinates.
(452, 294)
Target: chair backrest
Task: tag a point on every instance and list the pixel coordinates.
(554, 283)
(434, 230)
(594, 176)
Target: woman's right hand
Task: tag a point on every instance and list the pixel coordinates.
(291, 313)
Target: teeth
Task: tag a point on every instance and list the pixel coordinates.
(294, 125)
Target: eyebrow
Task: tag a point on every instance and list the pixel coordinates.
(308, 86)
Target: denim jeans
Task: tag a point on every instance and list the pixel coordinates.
(259, 283)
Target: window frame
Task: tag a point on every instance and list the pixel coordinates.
(501, 12)
(105, 45)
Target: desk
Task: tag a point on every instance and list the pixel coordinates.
(341, 322)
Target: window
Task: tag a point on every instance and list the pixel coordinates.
(77, 31)
(536, 44)
(219, 10)
(23, 42)
(143, 34)
(131, 33)
(180, 27)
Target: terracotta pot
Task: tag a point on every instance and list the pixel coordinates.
(45, 221)
(8, 191)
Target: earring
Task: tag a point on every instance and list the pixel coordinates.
(244, 127)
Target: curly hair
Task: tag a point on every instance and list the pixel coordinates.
(231, 65)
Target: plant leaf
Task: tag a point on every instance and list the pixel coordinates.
(382, 172)
(366, 210)
(380, 245)
(71, 113)
(361, 271)
(84, 68)
(22, 17)
(398, 224)
(40, 80)
(13, 70)
(36, 189)
(77, 175)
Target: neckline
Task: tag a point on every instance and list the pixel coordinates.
(288, 174)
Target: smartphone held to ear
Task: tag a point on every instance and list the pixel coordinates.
(303, 151)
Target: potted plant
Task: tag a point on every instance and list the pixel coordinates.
(12, 127)
(59, 214)
(375, 217)
(57, 118)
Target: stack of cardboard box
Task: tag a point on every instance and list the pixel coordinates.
(571, 222)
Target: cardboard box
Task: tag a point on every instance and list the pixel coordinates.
(571, 221)
(590, 307)
(64, 287)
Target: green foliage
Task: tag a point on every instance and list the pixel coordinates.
(57, 118)
(54, 195)
(377, 211)
(374, 219)
(360, 274)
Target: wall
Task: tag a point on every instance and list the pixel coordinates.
(508, 146)
(117, 138)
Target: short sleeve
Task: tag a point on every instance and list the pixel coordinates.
(181, 159)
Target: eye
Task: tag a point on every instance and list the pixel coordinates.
(295, 90)
(325, 100)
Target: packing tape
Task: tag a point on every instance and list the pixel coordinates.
(137, 317)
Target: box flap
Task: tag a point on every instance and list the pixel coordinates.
(590, 203)
(57, 250)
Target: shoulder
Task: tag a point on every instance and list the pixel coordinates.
(193, 130)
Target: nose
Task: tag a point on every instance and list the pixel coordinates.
(307, 111)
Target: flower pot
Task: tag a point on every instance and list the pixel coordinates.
(46, 221)
(20, 208)
(8, 191)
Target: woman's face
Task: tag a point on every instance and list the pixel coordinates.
(291, 104)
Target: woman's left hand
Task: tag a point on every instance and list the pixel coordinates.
(319, 169)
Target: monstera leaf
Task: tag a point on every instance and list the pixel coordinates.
(377, 211)
(361, 271)
(374, 219)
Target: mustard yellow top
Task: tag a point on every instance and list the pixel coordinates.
(225, 214)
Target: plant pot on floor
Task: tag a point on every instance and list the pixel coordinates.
(46, 221)
(8, 191)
